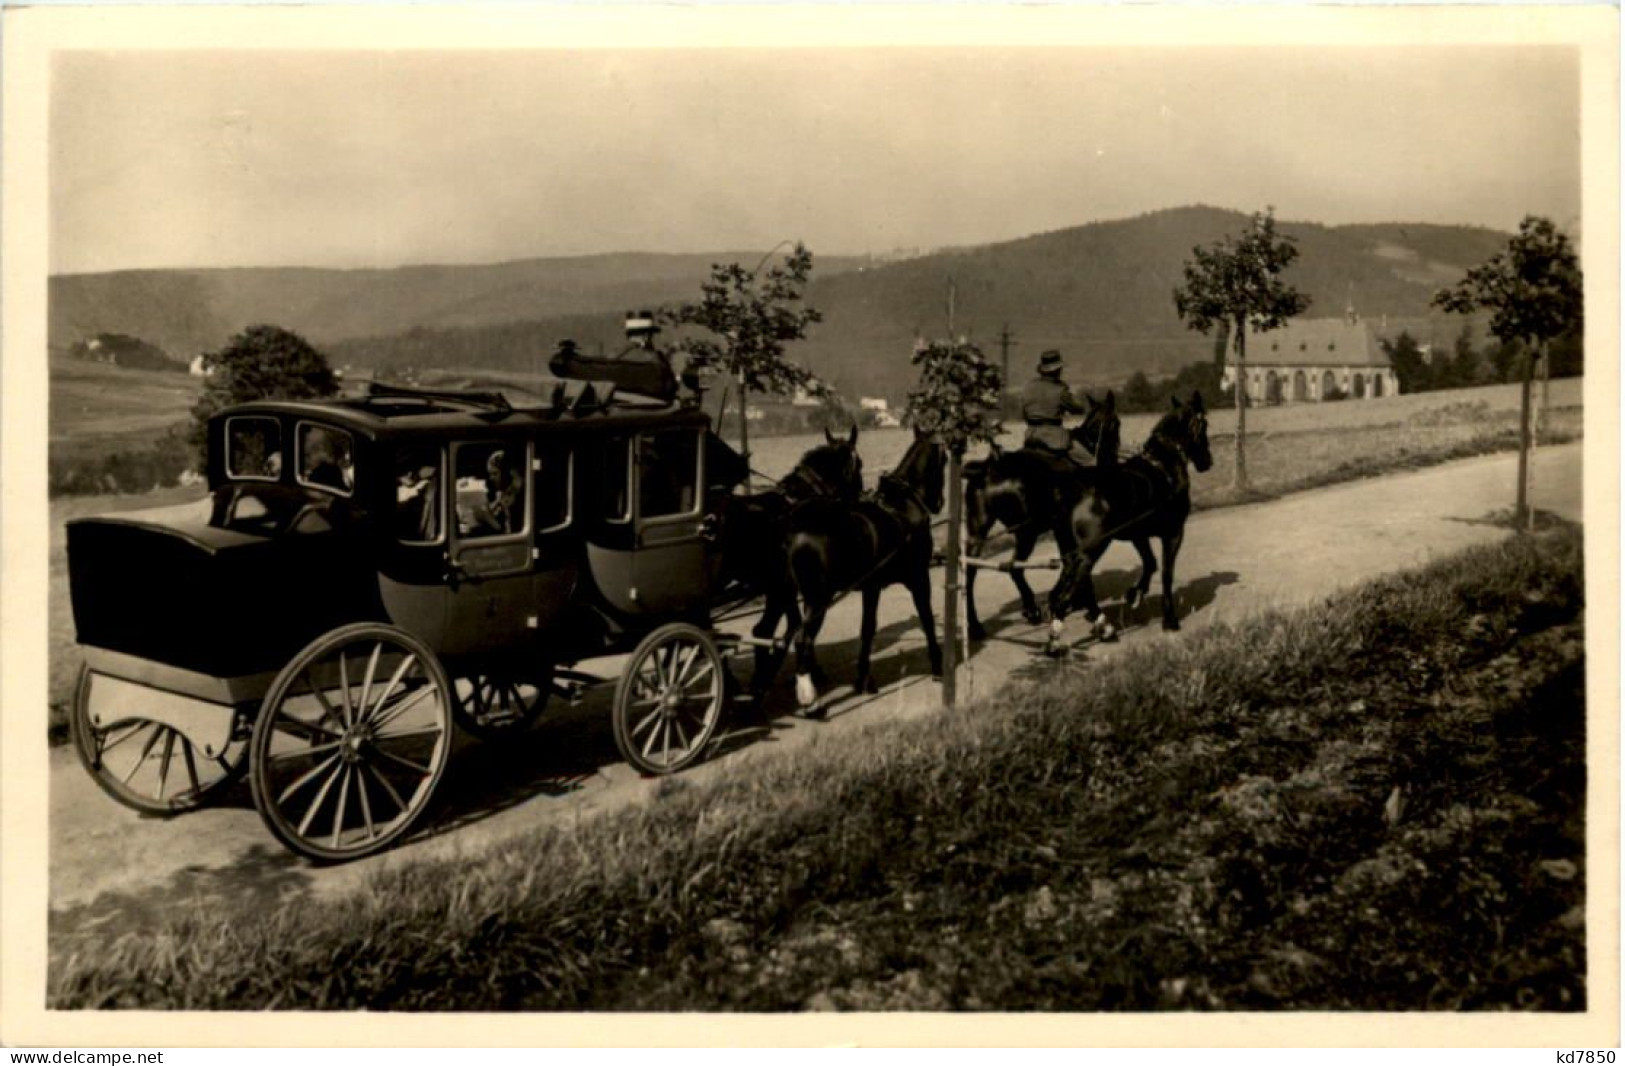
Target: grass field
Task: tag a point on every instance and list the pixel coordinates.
(1376, 804)
(97, 409)
(1286, 453)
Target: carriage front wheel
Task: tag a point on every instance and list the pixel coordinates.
(669, 700)
(351, 741)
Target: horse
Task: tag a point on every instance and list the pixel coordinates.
(1147, 495)
(753, 530)
(1028, 493)
(881, 540)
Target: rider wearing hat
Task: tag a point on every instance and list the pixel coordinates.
(1044, 401)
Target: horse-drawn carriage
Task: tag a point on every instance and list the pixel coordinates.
(370, 571)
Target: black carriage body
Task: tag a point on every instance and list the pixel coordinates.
(374, 509)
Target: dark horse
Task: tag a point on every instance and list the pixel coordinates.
(1030, 493)
(754, 528)
(1147, 495)
(883, 539)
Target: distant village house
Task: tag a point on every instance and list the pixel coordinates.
(1315, 359)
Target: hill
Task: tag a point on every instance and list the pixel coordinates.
(1099, 292)
(191, 311)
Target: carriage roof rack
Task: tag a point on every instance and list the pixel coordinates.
(494, 404)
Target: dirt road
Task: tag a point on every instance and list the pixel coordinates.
(112, 868)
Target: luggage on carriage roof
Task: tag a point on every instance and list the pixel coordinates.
(640, 370)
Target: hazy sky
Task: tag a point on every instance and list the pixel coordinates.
(383, 158)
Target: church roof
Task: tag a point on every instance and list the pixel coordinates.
(1317, 342)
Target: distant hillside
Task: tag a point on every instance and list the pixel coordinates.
(191, 311)
(1102, 293)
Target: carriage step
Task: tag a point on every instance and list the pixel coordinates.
(572, 685)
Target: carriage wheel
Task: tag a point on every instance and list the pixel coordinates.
(351, 741)
(669, 699)
(147, 765)
(496, 705)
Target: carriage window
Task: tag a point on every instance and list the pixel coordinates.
(490, 479)
(668, 473)
(325, 458)
(552, 482)
(254, 448)
(612, 466)
(417, 493)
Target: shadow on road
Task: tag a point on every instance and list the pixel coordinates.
(261, 876)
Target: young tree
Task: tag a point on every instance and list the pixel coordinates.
(1412, 371)
(1535, 294)
(1236, 282)
(260, 363)
(958, 402)
(751, 316)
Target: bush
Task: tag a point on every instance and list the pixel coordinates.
(161, 464)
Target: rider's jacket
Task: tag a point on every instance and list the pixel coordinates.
(1043, 402)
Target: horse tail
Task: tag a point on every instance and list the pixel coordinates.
(809, 569)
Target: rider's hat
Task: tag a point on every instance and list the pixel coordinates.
(1050, 362)
(641, 323)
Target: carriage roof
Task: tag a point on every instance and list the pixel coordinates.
(402, 413)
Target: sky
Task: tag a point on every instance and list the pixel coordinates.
(383, 158)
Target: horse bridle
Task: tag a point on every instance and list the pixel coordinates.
(815, 481)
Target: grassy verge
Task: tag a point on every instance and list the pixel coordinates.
(1376, 804)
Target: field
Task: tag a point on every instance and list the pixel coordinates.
(96, 409)
(1289, 448)
(1373, 804)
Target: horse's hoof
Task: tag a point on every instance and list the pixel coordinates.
(1171, 625)
(1055, 649)
(806, 691)
(1133, 598)
(1106, 632)
(1032, 615)
(976, 632)
(868, 686)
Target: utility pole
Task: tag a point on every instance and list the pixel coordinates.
(1006, 341)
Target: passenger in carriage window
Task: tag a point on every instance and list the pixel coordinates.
(504, 507)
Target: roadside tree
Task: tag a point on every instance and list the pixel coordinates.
(1535, 294)
(750, 315)
(1235, 283)
(958, 402)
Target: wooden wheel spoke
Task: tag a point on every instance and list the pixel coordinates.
(400, 804)
(682, 737)
(303, 753)
(389, 689)
(654, 734)
(401, 759)
(165, 759)
(344, 797)
(424, 731)
(366, 806)
(638, 729)
(306, 778)
(687, 665)
(107, 746)
(146, 750)
(308, 731)
(191, 765)
(709, 672)
(321, 797)
(383, 718)
(329, 712)
(366, 682)
(344, 687)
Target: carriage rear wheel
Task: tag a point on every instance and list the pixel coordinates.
(148, 765)
(669, 701)
(351, 741)
(497, 704)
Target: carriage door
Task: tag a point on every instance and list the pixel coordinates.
(669, 570)
(489, 557)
